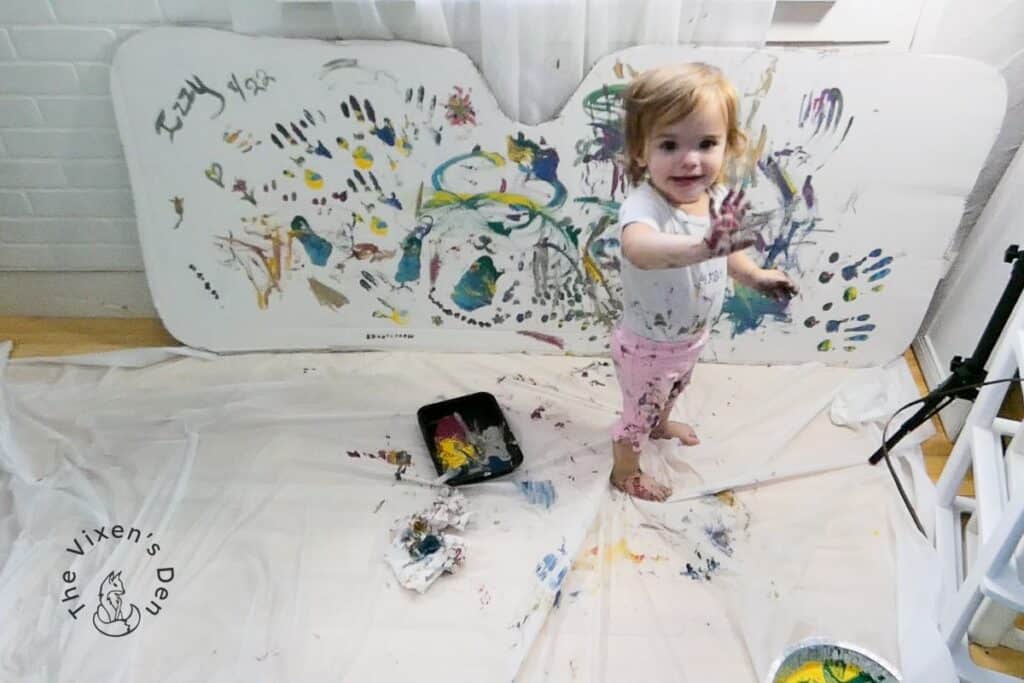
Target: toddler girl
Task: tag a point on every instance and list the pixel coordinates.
(681, 235)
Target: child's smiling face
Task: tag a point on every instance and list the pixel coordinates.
(685, 157)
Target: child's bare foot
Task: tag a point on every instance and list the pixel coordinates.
(676, 430)
(644, 486)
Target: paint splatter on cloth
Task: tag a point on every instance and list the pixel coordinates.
(540, 493)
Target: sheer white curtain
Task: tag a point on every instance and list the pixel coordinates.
(533, 53)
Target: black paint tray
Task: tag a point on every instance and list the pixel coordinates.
(469, 433)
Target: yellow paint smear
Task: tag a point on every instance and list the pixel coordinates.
(314, 180)
(362, 158)
(814, 672)
(455, 453)
(612, 553)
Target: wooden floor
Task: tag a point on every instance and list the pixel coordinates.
(66, 336)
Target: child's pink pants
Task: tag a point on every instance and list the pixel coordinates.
(652, 374)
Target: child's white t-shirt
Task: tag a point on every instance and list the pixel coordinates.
(669, 304)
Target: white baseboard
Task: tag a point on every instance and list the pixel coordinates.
(933, 369)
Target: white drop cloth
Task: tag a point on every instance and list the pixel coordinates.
(261, 480)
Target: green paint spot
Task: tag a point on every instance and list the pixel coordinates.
(850, 294)
(825, 345)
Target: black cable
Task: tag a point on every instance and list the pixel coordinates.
(950, 397)
(888, 463)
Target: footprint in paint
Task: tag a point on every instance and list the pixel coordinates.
(857, 278)
(552, 569)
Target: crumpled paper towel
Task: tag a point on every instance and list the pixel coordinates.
(422, 547)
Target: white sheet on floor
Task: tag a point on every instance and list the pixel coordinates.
(244, 470)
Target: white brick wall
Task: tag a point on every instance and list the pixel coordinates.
(19, 112)
(108, 11)
(57, 143)
(26, 12)
(65, 201)
(93, 79)
(6, 49)
(70, 44)
(77, 112)
(31, 173)
(14, 203)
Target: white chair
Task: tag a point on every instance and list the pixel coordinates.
(985, 587)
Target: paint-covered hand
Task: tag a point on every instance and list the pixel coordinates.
(727, 232)
(774, 284)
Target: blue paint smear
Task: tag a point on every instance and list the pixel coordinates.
(780, 246)
(475, 289)
(540, 493)
(429, 545)
(851, 271)
(412, 246)
(543, 163)
(544, 166)
(719, 537)
(386, 134)
(880, 263)
(775, 174)
(860, 328)
(409, 264)
(317, 248)
(747, 309)
(393, 201)
(879, 275)
(552, 569)
(321, 150)
(496, 465)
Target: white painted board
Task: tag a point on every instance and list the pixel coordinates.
(299, 194)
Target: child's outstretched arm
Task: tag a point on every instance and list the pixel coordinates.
(648, 249)
(772, 283)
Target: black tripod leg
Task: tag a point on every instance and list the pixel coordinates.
(935, 402)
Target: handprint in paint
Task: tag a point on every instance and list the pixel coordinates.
(291, 135)
(853, 280)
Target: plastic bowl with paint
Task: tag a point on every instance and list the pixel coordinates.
(817, 660)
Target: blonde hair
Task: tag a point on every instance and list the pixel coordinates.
(662, 96)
